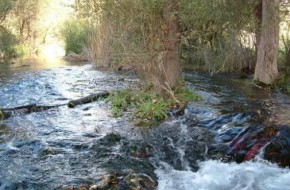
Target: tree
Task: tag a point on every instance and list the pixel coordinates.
(266, 70)
(18, 28)
(258, 23)
(171, 43)
(5, 7)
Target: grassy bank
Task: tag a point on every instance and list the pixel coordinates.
(149, 105)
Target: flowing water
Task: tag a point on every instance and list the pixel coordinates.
(238, 137)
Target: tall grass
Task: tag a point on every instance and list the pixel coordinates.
(134, 37)
(75, 35)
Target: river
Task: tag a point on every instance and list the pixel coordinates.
(236, 138)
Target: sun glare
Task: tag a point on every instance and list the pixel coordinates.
(52, 16)
(52, 51)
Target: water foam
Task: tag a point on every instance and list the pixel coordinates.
(225, 176)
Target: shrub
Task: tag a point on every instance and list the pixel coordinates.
(7, 44)
(283, 83)
(120, 101)
(75, 35)
(284, 53)
(22, 50)
(146, 104)
(153, 109)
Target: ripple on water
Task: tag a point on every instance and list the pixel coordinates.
(62, 146)
(57, 85)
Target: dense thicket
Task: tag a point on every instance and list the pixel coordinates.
(217, 36)
(155, 37)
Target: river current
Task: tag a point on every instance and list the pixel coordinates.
(236, 138)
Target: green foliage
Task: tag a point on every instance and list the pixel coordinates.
(284, 53)
(153, 109)
(283, 83)
(22, 50)
(120, 101)
(187, 95)
(18, 27)
(75, 35)
(5, 7)
(147, 104)
(10, 46)
(7, 43)
(212, 34)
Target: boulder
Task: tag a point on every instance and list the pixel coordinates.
(278, 149)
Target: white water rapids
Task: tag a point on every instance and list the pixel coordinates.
(216, 175)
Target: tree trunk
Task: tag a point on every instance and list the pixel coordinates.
(266, 70)
(258, 23)
(171, 43)
(27, 109)
(88, 99)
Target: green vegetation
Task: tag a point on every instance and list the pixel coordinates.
(120, 101)
(19, 33)
(153, 109)
(7, 44)
(284, 53)
(10, 46)
(157, 38)
(186, 95)
(283, 83)
(75, 35)
(26, 26)
(214, 34)
(147, 104)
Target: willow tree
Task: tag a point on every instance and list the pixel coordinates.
(266, 70)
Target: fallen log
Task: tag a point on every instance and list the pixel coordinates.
(26, 109)
(30, 108)
(88, 99)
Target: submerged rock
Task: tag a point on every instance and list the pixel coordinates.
(245, 145)
(279, 148)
